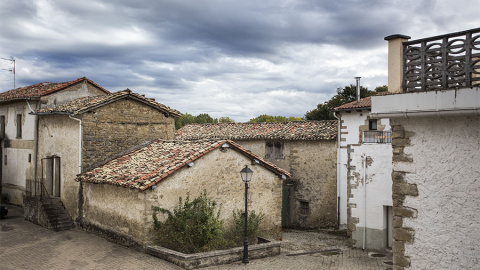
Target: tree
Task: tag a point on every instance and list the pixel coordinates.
(268, 118)
(202, 118)
(346, 95)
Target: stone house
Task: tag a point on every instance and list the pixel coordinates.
(117, 197)
(80, 134)
(307, 149)
(434, 115)
(19, 129)
(364, 177)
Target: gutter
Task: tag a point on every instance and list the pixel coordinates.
(428, 113)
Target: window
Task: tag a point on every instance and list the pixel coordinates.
(2, 127)
(19, 126)
(304, 208)
(274, 150)
(372, 124)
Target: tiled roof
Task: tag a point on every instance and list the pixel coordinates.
(81, 105)
(364, 103)
(41, 89)
(147, 165)
(296, 130)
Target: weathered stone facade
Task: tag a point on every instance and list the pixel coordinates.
(118, 126)
(312, 165)
(125, 214)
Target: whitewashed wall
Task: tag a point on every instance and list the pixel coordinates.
(371, 190)
(446, 170)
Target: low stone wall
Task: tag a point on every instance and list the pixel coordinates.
(204, 259)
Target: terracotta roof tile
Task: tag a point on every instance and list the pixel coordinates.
(42, 89)
(296, 130)
(364, 103)
(144, 167)
(85, 104)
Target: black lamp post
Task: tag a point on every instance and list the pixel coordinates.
(246, 174)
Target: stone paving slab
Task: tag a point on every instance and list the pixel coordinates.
(24, 245)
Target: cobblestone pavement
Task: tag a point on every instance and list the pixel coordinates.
(24, 245)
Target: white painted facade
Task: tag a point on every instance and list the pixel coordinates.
(445, 149)
(360, 205)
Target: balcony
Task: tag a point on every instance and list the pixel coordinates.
(374, 136)
(444, 62)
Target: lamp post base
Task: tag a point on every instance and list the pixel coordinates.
(245, 251)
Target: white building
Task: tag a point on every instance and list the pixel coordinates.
(435, 119)
(365, 183)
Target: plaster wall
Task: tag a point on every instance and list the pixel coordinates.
(128, 212)
(349, 131)
(59, 136)
(218, 172)
(83, 89)
(108, 209)
(371, 190)
(342, 184)
(18, 153)
(445, 169)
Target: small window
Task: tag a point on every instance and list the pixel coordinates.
(2, 126)
(274, 150)
(372, 124)
(5, 159)
(19, 126)
(304, 208)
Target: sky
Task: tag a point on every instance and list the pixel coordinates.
(237, 59)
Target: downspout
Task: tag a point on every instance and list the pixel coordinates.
(339, 179)
(365, 200)
(79, 142)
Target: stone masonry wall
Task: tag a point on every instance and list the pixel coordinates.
(119, 126)
(436, 192)
(313, 168)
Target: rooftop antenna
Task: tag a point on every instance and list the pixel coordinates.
(11, 59)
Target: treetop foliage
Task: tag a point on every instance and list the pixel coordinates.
(346, 95)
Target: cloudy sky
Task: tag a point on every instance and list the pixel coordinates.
(239, 58)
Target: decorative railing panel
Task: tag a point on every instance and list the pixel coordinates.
(442, 62)
(374, 136)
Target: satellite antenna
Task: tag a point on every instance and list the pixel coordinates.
(11, 59)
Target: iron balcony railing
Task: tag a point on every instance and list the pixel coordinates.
(443, 62)
(374, 136)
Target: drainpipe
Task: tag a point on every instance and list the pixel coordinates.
(339, 179)
(79, 142)
(365, 199)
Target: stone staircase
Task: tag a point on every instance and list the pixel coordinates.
(56, 215)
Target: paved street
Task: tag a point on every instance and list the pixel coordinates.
(24, 245)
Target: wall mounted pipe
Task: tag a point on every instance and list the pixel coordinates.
(445, 113)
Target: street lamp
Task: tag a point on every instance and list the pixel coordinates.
(246, 174)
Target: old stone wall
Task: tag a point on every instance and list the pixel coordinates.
(118, 126)
(125, 215)
(436, 192)
(312, 165)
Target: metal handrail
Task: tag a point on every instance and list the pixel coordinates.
(375, 136)
(40, 190)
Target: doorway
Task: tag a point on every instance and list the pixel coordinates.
(52, 175)
(389, 226)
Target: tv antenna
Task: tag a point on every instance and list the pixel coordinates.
(11, 59)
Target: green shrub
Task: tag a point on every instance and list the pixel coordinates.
(237, 231)
(194, 226)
